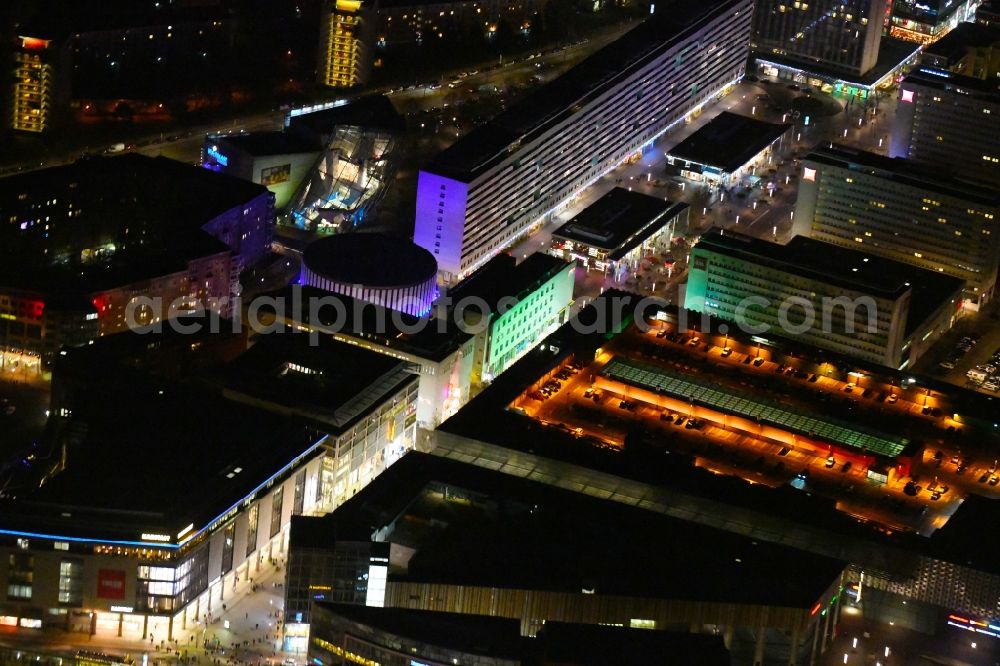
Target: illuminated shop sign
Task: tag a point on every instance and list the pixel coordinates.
(213, 152)
(975, 626)
(110, 584)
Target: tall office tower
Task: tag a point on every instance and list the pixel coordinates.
(895, 209)
(841, 35)
(949, 121)
(501, 180)
(846, 301)
(347, 32)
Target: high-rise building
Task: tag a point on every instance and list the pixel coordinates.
(949, 121)
(895, 209)
(347, 30)
(846, 301)
(835, 34)
(502, 179)
(34, 83)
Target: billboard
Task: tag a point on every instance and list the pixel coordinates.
(275, 175)
(110, 584)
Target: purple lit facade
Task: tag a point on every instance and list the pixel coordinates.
(440, 225)
(247, 229)
(414, 299)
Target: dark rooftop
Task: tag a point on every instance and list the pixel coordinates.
(944, 80)
(903, 171)
(552, 103)
(370, 259)
(137, 463)
(519, 533)
(619, 221)
(963, 37)
(260, 144)
(371, 111)
(502, 277)
(329, 382)
(473, 634)
(398, 330)
(728, 141)
(590, 645)
(846, 268)
(153, 209)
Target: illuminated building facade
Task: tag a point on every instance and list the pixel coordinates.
(148, 562)
(949, 121)
(840, 35)
(893, 311)
(523, 304)
(502, 179)
(34, 84)
(403, 21)
(373, 267)
(359, 145)
(346, 39)
(971, 49)
(90, 239)
(277, 160)
(926, 21)
(893, 209)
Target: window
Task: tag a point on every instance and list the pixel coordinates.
(253, 516)
(71, 582)
(228, 539)
(276, 512)
(300, 492)
(20, 575)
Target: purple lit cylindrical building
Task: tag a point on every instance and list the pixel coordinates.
(373, 267)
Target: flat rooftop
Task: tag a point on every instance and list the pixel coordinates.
(939, 79)
(892, 54)
(749, 405)
(851, 270)
(728, 142)
(491, 432)
(370, 111)
(153, 456)
(482, 635)
(903, 171)
(599, 645)
(502, 277)
(330, 382)
(264, 144)
(619, 221)
(434, 339)
(963, 37)
(553, 539)
(554, 102)
(160, 201)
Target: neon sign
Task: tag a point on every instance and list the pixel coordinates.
(213, 152)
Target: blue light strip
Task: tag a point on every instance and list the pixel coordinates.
(54, 537)
(253, 492)
(170, 546)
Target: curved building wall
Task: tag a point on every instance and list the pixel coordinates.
(415, 299)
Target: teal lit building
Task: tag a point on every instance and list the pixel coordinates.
(523, 304)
